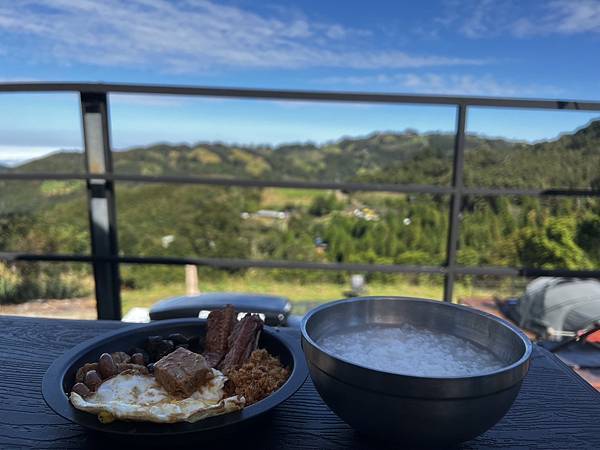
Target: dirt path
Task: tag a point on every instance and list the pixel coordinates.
(77, 308)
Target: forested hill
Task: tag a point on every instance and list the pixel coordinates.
(573, 160)
(311, 225)
(343, 160)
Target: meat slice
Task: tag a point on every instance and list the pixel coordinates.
(242, 342)
(219, 327)
(213, 359)
(182, 372)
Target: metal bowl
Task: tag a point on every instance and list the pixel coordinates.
(425, 411)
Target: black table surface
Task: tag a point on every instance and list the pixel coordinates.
(556, 409)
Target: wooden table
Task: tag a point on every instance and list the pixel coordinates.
(556, 409)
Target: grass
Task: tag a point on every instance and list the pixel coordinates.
(304, 295)
(278, 198)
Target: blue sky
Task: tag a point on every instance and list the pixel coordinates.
(507, 48)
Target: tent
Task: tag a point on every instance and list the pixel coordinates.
(558, 307)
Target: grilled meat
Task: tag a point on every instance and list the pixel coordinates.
(242, 342)
(182, 372)
(219, 327)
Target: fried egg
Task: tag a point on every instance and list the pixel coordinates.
(130, 396)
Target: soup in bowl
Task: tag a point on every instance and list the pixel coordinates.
(416, 371)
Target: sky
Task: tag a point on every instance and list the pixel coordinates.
(503, 48)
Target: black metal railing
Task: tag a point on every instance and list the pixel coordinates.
(100, 181)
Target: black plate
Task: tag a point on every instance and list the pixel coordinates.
(60, 377)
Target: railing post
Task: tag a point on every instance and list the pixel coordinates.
(455, 202)
(101, 204)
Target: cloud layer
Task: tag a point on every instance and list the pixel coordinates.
(448, 84)
(191, 36)
(492, 18)
(565, 17)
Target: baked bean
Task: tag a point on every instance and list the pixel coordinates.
(144, 353)
(120, 357)
(80, 376)
(81, 389)
(106, 366)
(136, 368)
(92, 380)
(137, 358)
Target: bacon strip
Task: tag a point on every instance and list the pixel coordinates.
(242, 342)
(219, 327)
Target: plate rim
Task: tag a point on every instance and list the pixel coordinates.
(58, 402)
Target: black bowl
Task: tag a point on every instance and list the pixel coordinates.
(60, 378)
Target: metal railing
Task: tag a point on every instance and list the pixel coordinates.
(100, 181)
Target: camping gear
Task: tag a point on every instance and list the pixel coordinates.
(557, 308)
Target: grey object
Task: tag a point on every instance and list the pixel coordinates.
(294, 321)
(557, 307)
(101, 204)
(430, 411)
(275, 309)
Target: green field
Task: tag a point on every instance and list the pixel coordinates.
(273, 198)
(301, 294)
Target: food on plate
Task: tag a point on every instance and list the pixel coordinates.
(220, 324)
(111, 364)
(80, 375)
(120, 357)
(92, 380)
(257, 377)
(242, 342)
(107, 366)
(175, 378)
(82, 389)
(181, 372)
(131, 396)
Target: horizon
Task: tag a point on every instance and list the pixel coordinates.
(502, 48)
(41, 153)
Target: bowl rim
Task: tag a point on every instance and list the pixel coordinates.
(528, 346)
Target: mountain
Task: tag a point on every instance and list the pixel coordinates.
(59, 162)
(50, 216)
(341, 160)
(571, 161)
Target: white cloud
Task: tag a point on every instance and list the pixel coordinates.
(475, 18)
(491, 18)
(431, 83)
(563, 17)
(11, 155)
(193, 36)
(478, 22)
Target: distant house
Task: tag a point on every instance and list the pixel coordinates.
(366, 214)
(266, 214)
(271, 214)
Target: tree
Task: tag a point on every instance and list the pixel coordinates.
(588, 236)
(323, 205)
(551, 246)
